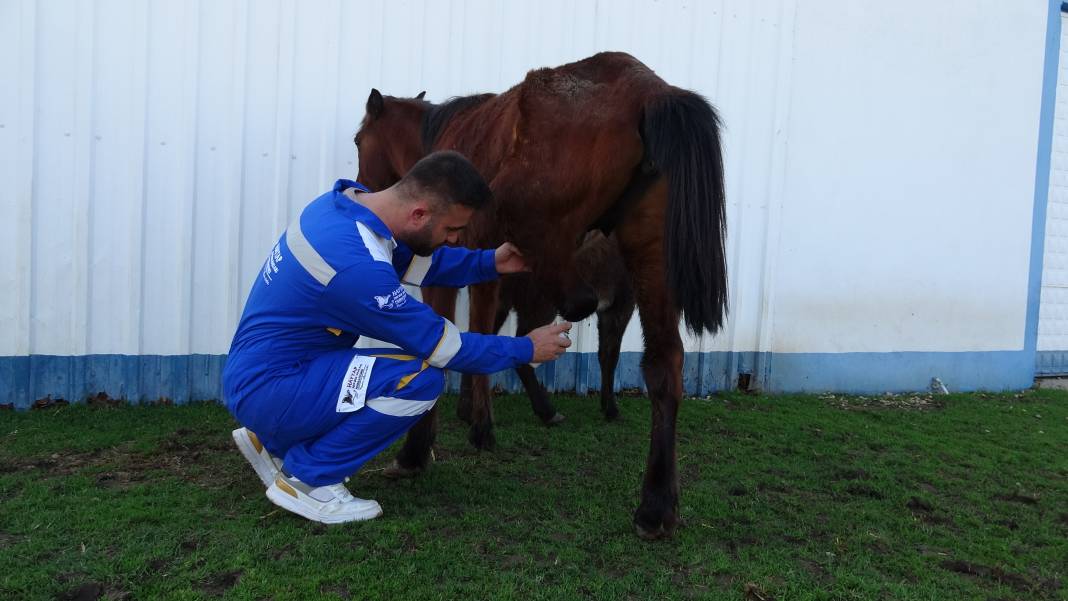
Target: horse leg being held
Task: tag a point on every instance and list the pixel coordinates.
(483, 313)
(611, 324)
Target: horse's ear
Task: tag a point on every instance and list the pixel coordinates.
(375, 104)
(421, 94)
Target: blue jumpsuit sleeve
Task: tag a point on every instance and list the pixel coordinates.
(450, 266)
(369, 300)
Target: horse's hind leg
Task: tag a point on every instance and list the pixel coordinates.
(611, 324)
(641, 236)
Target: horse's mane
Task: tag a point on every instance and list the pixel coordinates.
(438, 116)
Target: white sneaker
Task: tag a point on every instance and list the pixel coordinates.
(331, 504)
(266, 465)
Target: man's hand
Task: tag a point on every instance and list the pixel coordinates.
(508, 259)
(550, 341)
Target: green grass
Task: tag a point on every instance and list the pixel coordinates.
(960, 497)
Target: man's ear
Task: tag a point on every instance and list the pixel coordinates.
(419, 212)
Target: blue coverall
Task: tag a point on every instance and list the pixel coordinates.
(292, 375)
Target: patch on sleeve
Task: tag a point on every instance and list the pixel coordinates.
(393, 300)
(270, 267)
(353, 394)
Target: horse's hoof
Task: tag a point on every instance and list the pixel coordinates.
(557, 418)
(482, 438)
(651, 525)
(650, 534)
(396, 471)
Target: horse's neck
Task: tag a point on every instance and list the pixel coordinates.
(482, 132)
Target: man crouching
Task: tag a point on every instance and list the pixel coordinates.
(315, 409)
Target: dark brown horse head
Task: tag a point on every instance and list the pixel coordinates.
(389, 141)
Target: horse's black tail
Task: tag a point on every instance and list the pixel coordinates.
(681, 133)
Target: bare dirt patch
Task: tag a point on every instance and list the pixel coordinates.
(995, 574)
(216, 585)
(121, 467)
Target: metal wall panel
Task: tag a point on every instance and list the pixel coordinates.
(156, 150)
(1053, 317)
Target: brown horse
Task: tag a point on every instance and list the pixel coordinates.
(599, 263)
(602, 143)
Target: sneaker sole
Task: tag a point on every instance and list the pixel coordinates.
(253, 458)
(290, 504)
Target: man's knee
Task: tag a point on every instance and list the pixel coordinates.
(434, 383)
(427, 385)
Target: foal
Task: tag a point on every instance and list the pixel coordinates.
(599, 263)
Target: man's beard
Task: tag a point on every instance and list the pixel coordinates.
(422, 241)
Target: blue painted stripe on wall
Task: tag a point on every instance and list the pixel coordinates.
(180, 379)
(1042, 167)
(868, 373)
(1051, 363)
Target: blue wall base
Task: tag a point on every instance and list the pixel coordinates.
(873, 373)
(134, 378)
(184, 378)
(1051, 363)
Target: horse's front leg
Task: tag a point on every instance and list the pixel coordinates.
(417, 453)
(483, 314)
(504, 306)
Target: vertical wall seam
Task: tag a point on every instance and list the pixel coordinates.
(26, 193)
(287, 50)
(239, 119)
(147, 115)
(191, 90)
(328, 128)
(736, 227)
(776, 191)
(421, 75)
(82, 185)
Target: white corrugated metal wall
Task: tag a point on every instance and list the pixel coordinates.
(155, 150)
(1053, 318)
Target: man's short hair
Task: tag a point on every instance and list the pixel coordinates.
(446, 177)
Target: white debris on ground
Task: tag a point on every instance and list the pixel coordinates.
(921, 402)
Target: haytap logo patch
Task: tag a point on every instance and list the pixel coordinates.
(271, 266)
(353, 393)
(393, 300)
